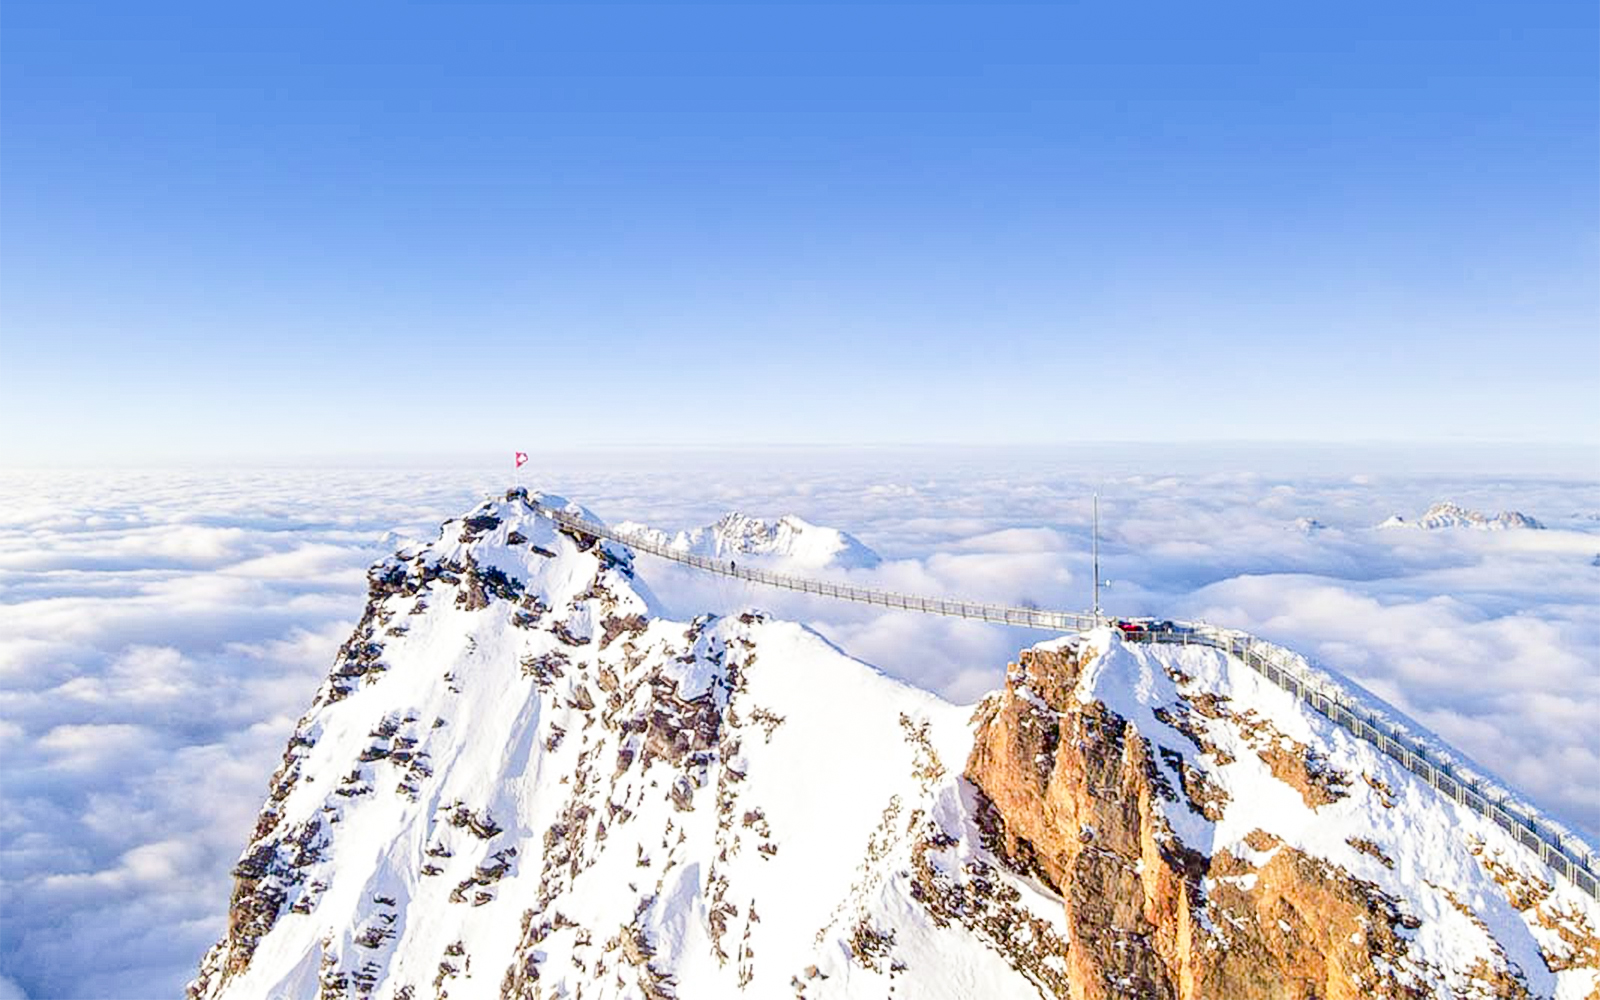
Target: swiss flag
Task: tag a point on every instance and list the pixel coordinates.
(522, 457)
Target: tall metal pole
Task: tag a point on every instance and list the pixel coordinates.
(1097, 559)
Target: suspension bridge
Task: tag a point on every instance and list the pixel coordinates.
(1334, 697)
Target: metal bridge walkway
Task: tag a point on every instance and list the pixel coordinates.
(1051, 621)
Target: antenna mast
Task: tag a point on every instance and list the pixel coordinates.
(1097, 558)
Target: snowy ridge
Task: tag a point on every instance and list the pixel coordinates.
(1347, 703)
(1571, 855)
(789, 542)
(1445, 515)
(519, 781)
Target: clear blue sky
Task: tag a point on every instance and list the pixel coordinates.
(278, 229)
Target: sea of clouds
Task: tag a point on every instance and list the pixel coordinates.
(162, 630)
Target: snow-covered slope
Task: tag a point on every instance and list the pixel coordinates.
(1448, 515)
(789, 543)
(521, 781)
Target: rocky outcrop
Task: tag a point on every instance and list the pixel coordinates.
(1076, 795)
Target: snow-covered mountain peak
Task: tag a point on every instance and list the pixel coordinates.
(788, 543)
(521, 781)
(1449, 515)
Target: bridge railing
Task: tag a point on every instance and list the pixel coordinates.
(1353, 710)
(1055, 621)
(1432, 761)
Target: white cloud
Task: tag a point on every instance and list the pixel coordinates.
(160, 632)
(82, 746)
(306, 562)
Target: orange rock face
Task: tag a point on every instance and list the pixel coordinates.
(1074, 795)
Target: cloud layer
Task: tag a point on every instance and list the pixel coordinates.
(160, 632)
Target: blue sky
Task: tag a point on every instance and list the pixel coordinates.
(288, 230)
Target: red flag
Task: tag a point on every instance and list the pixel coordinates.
(522, 457)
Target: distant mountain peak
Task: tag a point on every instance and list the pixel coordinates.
(1450, 515)
(787, 543)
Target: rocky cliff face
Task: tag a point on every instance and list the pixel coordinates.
(520, 781)
(1201, 850)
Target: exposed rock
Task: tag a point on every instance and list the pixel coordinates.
(1075, 798)
(614, 626)
(263, 880)
(477, 524)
